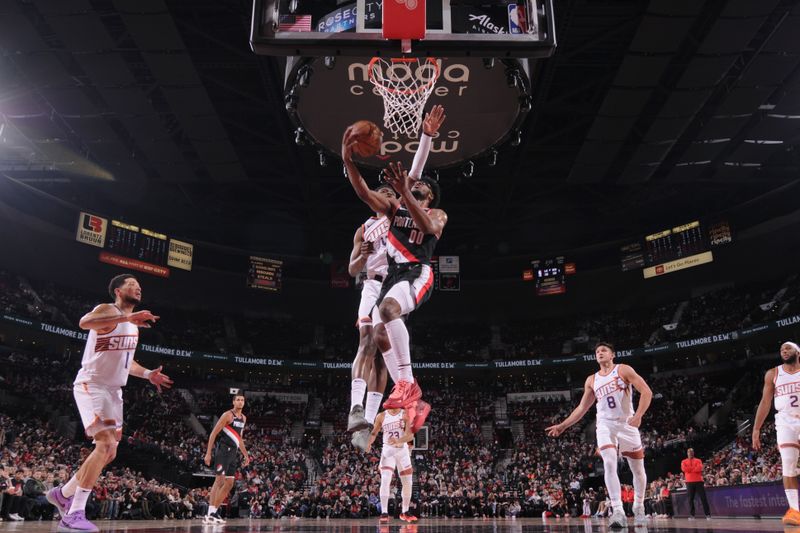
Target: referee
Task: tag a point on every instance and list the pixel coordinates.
(692, 469)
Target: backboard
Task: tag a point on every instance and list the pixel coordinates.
(454, 28)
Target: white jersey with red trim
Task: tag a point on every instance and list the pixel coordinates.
(787, 396)
(375, 230)
(107, 358)
(394, 427)
(613, 395)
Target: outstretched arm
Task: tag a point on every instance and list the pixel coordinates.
(153, 376)
(630, 376)
(105, 317)
(430, 127)
(376, 202)
(764, 405)
(583, 407)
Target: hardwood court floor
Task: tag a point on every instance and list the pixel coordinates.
(431, 525)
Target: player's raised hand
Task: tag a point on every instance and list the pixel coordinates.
(348, 143)
(433, 121)
(143, 319)
(554, 431)
(159, 380)
(397, 177)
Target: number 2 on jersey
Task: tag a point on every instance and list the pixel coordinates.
(794, 400)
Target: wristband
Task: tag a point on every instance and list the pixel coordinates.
(146, 374)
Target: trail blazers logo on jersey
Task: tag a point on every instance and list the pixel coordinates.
(119, 342)
(610, 388)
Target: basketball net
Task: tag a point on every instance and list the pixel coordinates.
(404, 83)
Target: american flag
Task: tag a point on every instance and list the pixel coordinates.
(295, 23)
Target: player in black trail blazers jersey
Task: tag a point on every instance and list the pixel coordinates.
(416, 227)
(230, 427)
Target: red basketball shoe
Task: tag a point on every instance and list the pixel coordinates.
(403, 394)
(408, 518)
(423, 409)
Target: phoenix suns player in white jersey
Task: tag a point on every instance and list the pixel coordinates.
(395, 454)
(617, 426)
(378, 260)
(782, 385)
(368, 373)
(107, 363)
(230, 427)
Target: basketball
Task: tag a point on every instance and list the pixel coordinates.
(368, 137)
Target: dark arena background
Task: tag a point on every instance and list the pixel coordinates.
(612, 171)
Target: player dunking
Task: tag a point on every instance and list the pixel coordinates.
(416, 227)
(782, 384)
(231, 425)
(370, 251)
(107, 362)
(617, 426)
(396, 428)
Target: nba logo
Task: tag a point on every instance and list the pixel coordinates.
(517, 22)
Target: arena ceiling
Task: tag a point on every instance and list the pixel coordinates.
(650, 114)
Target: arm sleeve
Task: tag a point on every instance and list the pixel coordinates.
(421, 156)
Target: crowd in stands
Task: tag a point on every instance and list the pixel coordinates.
(720, 310)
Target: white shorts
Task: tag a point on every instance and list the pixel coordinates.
(392, 457)
(788, 434)
(618, 433)
(369, 295)
(100, 407)
(404, 294)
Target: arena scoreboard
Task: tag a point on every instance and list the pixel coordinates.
(265, 274)
(677, 248)
(133, 247)
(550, 276)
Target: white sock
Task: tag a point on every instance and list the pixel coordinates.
(68, 488)
(398, 336)
(613, 487)
(212, 509)
(391, 365)
(373, 404)
(357, 389)
(791, 495)
(406, 491)
(79, 500)
(386, 483)
(639, 480)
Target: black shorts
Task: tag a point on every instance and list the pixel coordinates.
(420, 284)
(226, 459)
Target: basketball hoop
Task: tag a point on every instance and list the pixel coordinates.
(404, 83)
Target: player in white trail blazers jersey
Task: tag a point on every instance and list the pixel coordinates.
(370, 246)
(617, 427)
(782, 386)
(395, 455)
(107, 363)
(416, 227)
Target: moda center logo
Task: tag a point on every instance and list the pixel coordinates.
(453, 81)
(92, 230)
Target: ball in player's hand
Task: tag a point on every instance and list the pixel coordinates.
(368, 137)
